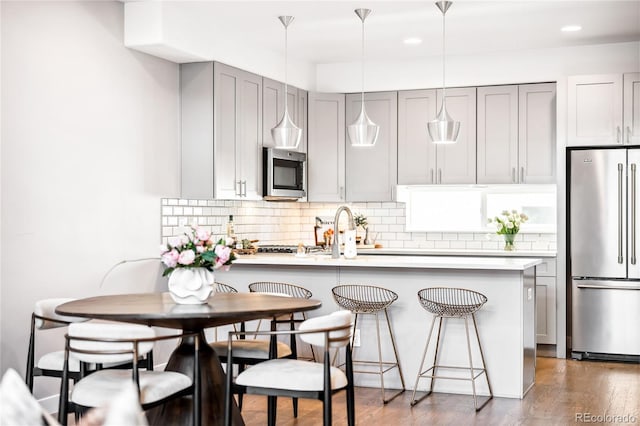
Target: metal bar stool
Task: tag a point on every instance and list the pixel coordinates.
(452, 303)
(371, 300)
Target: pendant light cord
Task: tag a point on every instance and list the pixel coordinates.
(286, 77)
(362, 63)
(444, 93)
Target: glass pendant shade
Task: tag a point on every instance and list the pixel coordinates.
(286, 135)
(363, 132)
(443, 129)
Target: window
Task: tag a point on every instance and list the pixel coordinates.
(467, 208)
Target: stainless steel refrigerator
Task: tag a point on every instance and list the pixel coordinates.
(604, 253)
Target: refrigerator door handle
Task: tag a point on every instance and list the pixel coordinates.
(607, 287)
(633, 214)
(620, 260)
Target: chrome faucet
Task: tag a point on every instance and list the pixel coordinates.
(335, 248)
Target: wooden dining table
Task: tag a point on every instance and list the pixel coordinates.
(159, 309)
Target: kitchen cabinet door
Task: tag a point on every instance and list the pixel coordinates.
(249, 144)
(237, 123)
(497, 142)
(273, 108)
(546, 302)
(196, 105)
(221, 132)
(416, 151)
(537, 133)
(302, 118)
(326, 145)
(594, 110)
(456, 163)
(632, 108)
(371, 172)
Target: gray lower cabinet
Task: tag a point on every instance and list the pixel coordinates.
(546, 302)
(273, 108)
(371, 172)
(420, 161)
(326, 147)
(221, 132)
(516, 134)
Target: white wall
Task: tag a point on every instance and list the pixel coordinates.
(527, 66)
(90, 143)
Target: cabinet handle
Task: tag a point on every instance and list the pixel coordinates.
(439, 175)
(620, 260)
(513, 175)
(618, 134)
(239, 190)
(342, 193)
(431, 175)
(628, 134)
(244, 188)
(521, 174)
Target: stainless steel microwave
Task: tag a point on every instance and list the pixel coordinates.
(284, 174)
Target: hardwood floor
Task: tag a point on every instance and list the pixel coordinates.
(564, 390)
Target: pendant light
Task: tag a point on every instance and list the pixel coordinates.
(363, 132)
(443, 130)
(286, 135)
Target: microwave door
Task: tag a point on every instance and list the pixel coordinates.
(598, 188)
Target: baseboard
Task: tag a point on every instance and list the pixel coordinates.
(50, 403)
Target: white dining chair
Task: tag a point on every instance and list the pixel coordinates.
(50, 364)
(99, 343)
(298, 378)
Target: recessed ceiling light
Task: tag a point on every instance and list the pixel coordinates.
(570, 28)
(412, 40)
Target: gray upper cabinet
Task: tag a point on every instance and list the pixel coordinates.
(516, 134)
(416, 152)
(273, 108)
(326, 147)
(371, 172)
(537, 133)
(498, 134)
(594, 110)
(456, 163)
(221, 132)
(420, 161)
(632, 108)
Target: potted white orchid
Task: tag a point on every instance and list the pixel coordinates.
(190, 260)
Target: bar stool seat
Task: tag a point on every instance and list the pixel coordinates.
(371, 300)
(452, 303)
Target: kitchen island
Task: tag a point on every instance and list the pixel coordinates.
(506, 323)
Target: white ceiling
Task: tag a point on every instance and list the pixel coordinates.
(329, 31)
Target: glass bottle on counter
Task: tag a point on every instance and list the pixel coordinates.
(231, 233)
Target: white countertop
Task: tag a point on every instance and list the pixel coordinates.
(457, 252)
(505, 263)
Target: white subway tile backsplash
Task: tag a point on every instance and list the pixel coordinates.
(290, 223)
(442, 244)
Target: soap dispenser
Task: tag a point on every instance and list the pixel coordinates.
(350, 251)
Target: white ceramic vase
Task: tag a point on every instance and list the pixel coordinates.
(191, 286)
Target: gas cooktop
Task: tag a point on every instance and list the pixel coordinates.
(277, 248)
